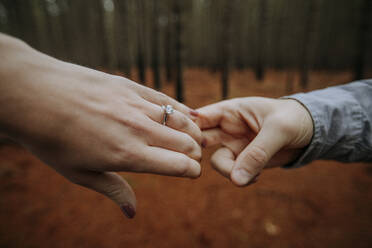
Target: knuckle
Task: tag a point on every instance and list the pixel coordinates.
(184, 122)
(258, 155)
(186, 125)
(113, 191)
(190, 147)
(197, 154)
(183, 166)
(163, 98)
(199, 134)
(124, 155)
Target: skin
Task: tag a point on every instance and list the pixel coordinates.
(254, 133)
(88, 125)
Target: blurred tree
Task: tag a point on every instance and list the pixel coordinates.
(21, 20)
(97, 27)
(289, 81)
(362, 38)
(278, 27)
(41, 31)
(308, 41)
(261, 39)
(102, 40)
(122, 27)
(72, 39)
(168, 42)
(141, 66)
(260, 34)
(177, 10)
(238, 44)
(215, 34)
(155, 45)
(53, 28)
(109, 23)
(226, 45)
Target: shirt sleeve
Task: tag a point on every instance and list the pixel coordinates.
(342, 118)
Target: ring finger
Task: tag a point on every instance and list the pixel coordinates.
(177, 120)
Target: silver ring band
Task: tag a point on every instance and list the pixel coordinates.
(167, 110)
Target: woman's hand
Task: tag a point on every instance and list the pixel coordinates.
(87, 124)
(255, 133)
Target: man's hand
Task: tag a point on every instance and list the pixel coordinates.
(88, 125)
(255, 133)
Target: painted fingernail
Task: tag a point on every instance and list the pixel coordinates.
(204, 143)
(241, 176)
(128, 210)
(194, 113)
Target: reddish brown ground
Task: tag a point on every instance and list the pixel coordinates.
(325, 204)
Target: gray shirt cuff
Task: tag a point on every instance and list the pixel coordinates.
(340, 128)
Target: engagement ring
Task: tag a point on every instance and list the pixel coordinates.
(168, 110)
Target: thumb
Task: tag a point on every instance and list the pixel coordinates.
(113, 186)
(256, 155)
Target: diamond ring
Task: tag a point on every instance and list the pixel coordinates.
(167, 110)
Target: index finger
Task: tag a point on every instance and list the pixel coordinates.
(211, 115)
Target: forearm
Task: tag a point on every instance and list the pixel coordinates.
(342, 119)
(30, 84)
(19, 65)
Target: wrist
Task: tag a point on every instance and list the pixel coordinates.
(311, 150)
(21, 76)
(304, 123)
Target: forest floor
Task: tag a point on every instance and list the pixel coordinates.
(325, 204)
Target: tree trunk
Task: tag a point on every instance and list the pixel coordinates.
(362, 39)
(41, 32)
(289, 84)
(122, 37)
(155, 46)
(309, 32)
(141, 42)
(226, 34)
(178, 50)
(168, 45)
(261, 39)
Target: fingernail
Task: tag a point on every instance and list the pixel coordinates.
(194, 113)
(204, 143)
(241, 176)
(128, 210)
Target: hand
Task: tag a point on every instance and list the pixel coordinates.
(87, 124)
(255, 133)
